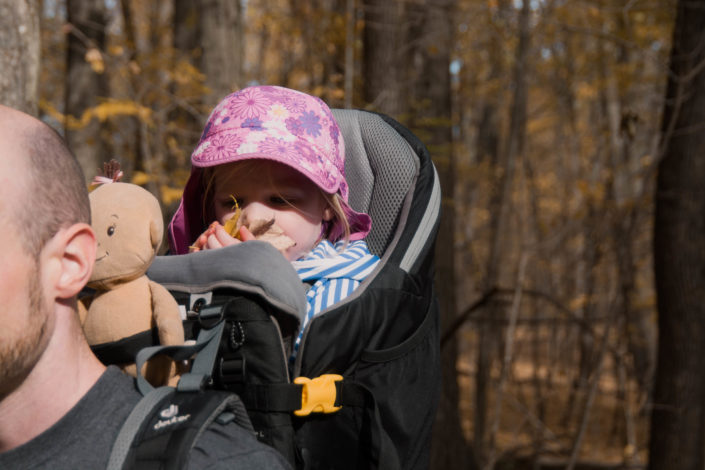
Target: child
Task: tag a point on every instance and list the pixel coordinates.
(280, 155)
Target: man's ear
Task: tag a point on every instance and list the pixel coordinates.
(70, 256)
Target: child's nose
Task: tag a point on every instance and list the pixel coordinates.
(254, 211)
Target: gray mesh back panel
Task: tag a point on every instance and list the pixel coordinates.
(380, 167)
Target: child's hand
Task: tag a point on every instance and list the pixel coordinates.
(216, 237)
(265, 230)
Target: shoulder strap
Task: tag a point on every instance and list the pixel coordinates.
(144, 409)
(164, 426)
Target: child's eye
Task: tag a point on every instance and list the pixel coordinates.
(280, 201)
(235, 202)
(230, 203)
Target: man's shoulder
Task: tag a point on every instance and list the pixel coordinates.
(84, 436)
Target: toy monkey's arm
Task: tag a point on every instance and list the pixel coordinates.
(166, 315)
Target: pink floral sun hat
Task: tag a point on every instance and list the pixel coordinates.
(272, 123)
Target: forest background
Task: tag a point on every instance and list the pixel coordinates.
(552, 123)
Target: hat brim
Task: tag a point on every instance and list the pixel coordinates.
(297, 153)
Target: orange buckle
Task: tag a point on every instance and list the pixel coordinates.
(318, 394)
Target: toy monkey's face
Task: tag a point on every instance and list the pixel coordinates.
(128, 225)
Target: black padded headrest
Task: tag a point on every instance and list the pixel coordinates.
(381, 168)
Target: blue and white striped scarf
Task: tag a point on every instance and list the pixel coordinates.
(335, 275)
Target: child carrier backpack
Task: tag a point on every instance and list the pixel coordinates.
(364, 386)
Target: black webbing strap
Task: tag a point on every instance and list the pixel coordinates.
(124, 351)
(287, 397)
(207, 348)
(382, 450)
(351, 394)
(272, 397)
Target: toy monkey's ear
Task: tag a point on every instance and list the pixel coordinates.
(155, 234)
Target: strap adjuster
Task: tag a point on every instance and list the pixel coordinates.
(210, 315)
(318, 394)
(231, 369)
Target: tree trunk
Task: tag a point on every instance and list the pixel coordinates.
(19, 55)
(85, 81)
(350, 36)
(187, 50)
(209, 33)
(500, 201)
(678, 416)
(433, 24)
(132, 123)
(322, 55)
(621, 188)
(222, 59)
(383, 68)
(490, 149)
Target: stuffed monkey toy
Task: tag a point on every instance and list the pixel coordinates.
(128, 224)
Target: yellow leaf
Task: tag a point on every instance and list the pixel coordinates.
(583, 187)
(629, 450)
(170, 194)
(116, 50)
(102, 112)
(231, 224)
(98, 67)
(140, 178)
(95, 59)
(579, 302)
(586, 91)
(338, 94)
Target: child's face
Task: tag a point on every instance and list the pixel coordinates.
(267, 190)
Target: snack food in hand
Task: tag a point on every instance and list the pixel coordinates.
(268, 231)
(262, 229)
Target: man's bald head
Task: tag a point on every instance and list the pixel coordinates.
(51, 187)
